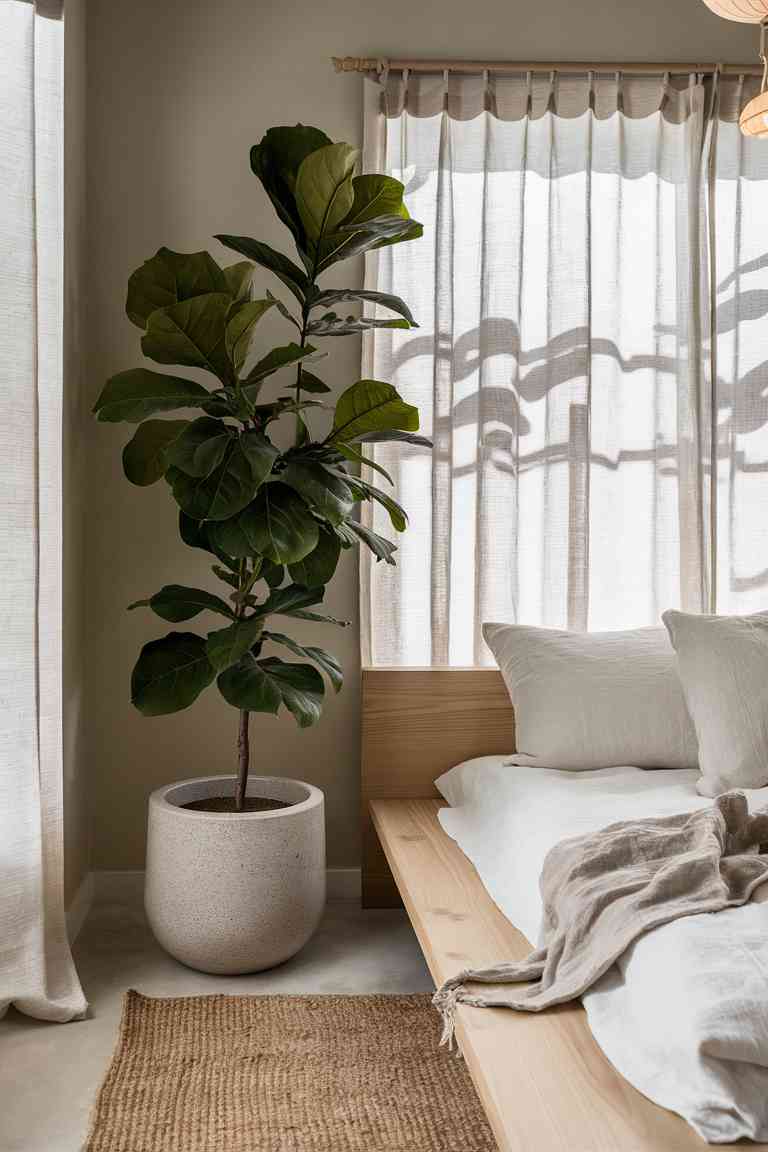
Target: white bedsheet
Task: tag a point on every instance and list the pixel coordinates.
(684, 1014)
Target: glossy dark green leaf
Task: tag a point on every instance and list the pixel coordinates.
(246, 463)
(333, 325)
(312, 383)
(201, 446)
(240, 331)
(262, 685)
(291, 275)
(371, 406)
(145, 456)
(239, 277)
(382, 548)
(176, 602)
(286, 601)
(197, 535)
(279, 524)
(278, 358)
(323, 190)
(318, 567)
(274, 574)
(169, 277)
(355, 456)
(333, 296)
(227, 645)
(351, 241)
(317, 617)
(276, 161)
(229, 537)
(325, 492)
(397, 514)
(133, 395)
(325, 660)
(191, 332)
(392, 434)
(170, 674)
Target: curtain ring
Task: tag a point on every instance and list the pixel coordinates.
(445, 89)
(619, 92)
(591, 94)
(529, 95)
(486, 90)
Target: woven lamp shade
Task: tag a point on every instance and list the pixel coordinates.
(745, 11)
(753, 120)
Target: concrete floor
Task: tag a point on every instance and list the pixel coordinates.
(49, 1073)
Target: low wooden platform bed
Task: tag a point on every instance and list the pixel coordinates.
(545, 1084)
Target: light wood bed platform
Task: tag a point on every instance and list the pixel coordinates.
(543, 1081)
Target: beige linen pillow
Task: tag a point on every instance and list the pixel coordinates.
(723, 666)
(594, 700)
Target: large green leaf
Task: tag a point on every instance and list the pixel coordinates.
(278, 358)
(229, 536)
(390, 434)
(246, 463)
(375, 196)
(332, 325)
(291, 275)
(170, 674)
(324, 192)
(191, 332)
(227, 645)
(176, 602)
(352, 240)
(312, 383)
(138, 393)
(279, 524)
(325, 660)
(276, 161)
(352, 453)
(263, 685)
(334, 296)
(371, 406)
(239, 277)
(201, 446)
(318, 567)
(197, 534)
(382, 548)
(169, 277)
(145, 456)
(366, 491)
(285, 601)
(330, 496)
(240, 329)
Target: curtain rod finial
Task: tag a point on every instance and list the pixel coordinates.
(354, 64)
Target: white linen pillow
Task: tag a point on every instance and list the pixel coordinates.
(594, 700)
(723, 666)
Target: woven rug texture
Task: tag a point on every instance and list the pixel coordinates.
(285, 1074)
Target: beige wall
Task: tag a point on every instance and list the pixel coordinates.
(178, 91)
(76, 815)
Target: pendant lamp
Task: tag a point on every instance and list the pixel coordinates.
(753, 119)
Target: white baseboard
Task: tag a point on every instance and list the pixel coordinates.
(79, 906)
(106, 885)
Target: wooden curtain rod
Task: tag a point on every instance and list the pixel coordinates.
(369, 65)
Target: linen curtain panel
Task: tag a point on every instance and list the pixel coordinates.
(591, 290)
(36, 969)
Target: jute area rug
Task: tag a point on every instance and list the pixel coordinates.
(285, 1074)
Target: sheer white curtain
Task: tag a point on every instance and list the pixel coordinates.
(576, 232)
(36, 969)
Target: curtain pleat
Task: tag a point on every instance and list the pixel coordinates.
(583, 237)
(37, 974)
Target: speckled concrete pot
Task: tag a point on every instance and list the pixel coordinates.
(235, 892)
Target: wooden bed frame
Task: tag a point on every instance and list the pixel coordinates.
(544, 1083)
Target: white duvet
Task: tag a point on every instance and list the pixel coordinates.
(684, 1014)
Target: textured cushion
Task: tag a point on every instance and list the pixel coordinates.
(723, 666)
(594, 700)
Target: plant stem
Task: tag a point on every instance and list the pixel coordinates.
(243, 757)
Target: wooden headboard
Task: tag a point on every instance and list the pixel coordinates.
(417, 723)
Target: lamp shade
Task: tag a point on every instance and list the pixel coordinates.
(753, 120)
(745, 11)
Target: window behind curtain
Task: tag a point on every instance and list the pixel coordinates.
(563, 364)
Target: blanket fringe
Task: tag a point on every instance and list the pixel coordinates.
(445, 1000)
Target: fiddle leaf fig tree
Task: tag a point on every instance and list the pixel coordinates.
(274, 520)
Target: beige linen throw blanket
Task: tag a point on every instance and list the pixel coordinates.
(600, 892)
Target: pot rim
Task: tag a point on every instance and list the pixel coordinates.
(159, 799)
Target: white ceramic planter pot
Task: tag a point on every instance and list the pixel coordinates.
(237, 891)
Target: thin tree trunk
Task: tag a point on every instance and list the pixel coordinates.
(244, 756)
